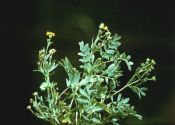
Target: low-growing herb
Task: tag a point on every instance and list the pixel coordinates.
(93, 93)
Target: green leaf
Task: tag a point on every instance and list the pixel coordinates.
(126, 59)
(104, 55)
(117, 37)
(125, 100)
(85, 117)
(119, 97)
(53, 66)
(109, 51)
(139, 91)
(74, 79)
(85, 80)
(73, 74)
(81, 44)
(68, 83)
(115, 43)
(95, 120)
(84, 48)
(83, 93)
(82, 100)
(81, 54)
(138, 116)
(111, 70)
(88, 90)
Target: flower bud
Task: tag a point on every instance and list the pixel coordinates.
(31, 100)
(52, 51)
(153, 62)
(29, 107)
(101, 26)
(35, 93)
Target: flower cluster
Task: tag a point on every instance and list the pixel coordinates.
(50, 34)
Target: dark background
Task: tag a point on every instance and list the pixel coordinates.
(147, 28)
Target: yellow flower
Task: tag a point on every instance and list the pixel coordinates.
(103, 27)
(106, 28)
(50, 34)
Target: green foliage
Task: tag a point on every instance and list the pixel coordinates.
(93, 95)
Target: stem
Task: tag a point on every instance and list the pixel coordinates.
(76, 120)
(129, 83)
(71, 102)
(120, 90)
(48, 44)
(63, 92)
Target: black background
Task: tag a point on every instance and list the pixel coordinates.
(147, 29)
